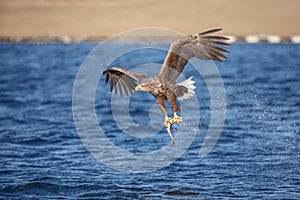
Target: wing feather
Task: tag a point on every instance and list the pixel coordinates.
(119, 87)
(221, 43)
(214, 57)
(216, 37)
(201, 45)
(216, 53)
(221, 49)
(122, 80)
(124, 86)
(112, 83)
(210, 31)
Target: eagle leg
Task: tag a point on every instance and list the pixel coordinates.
(161, 103)
(175, 107)
(176, 119)
(167, 121)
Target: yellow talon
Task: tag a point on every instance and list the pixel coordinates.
(167, 121)
(176, 119)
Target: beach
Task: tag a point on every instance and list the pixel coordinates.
(98, 19)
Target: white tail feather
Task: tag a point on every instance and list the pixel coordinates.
(189, 84)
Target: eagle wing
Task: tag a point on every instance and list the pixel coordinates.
(122, 80)
(202, 45)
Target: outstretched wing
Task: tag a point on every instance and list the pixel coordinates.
(122, 80)
(202, 45)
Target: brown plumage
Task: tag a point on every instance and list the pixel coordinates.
(163, 85)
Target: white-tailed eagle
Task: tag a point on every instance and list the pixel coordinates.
(163, 85)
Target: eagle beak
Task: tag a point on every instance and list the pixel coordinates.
(137, 88)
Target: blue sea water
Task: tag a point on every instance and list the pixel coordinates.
(257, 155)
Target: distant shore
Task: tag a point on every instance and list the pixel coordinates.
(66, 39)
(94, 20)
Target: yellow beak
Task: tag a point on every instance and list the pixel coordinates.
(137, 88)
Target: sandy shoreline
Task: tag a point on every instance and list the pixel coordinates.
(94, 20)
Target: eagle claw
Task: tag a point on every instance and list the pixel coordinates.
(176, 119)
(167, 121)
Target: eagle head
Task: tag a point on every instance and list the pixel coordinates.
(145, 86)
